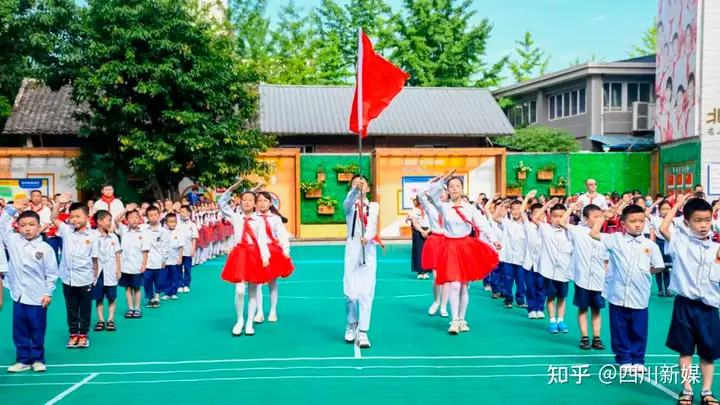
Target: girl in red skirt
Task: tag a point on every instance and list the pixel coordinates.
(461, 258)
(281, 266)
(249, 259)
(430, 251)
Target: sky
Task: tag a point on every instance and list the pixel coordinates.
(565, 29)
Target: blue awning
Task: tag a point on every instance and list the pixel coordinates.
(625, 142)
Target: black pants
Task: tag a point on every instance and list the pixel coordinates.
(78, 301)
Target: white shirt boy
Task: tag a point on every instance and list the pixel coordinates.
(104, 249)
(156, 241)
(587, 263)
(696, 272)
(132, 248)
(555, 253)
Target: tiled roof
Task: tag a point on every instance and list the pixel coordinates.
(41, 111)
(416, 111)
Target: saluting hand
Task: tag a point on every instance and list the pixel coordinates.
(21, 203)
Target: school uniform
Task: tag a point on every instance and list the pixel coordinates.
(497, 275)
(30, 275)
(359, 275)
(534, 281)
(554, 264)
(512, 256)
(172, 268)
(627, 288)
(104, 250)
(50, 234)
(587, 268)
(191, 236)
(78, 275)
(418, 240)
(696, 281)
(132, 256)
(112, 205)
(278, 239)
(663, 279)
(434, 241)
(156, 241)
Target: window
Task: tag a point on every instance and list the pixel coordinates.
(612, 96)
(303, 148)
(639, 92)
(567, 104)
(522, 113)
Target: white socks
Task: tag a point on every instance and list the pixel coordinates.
(464, 300)
(252, 301)
(240, 301)
(273, 296)
(454, 297)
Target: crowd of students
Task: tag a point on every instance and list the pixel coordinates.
(610, 247)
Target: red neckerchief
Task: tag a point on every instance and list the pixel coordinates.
(32, 207)
(364, 218)
(107, 200)
(247, 230)
(268, 229)
(464, 218)
(440, 220)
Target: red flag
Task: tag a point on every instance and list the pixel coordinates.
(378, 82)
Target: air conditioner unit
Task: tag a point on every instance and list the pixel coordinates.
(643, 116)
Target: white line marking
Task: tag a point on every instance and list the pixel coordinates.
(343, 297)
(292, 359)
(69, 391)
(661, 387)
(356, 350)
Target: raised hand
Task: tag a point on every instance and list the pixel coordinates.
(21, 203)
(65, 198)
(531, 194)
(131, 207)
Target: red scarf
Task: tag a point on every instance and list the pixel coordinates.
(247, 230)
(363, 217)
(440, 220)
(107, 200)
(268, 229)
(32, 206)
(467, 221)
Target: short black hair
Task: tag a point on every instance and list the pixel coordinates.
(558, 207)
(589, 209)
(536, 206)
(171, 215)
(152, 208)
(36, 191)
(515, 202)
(358, 175)
(28, 214)
(631, 209)
(106, 185)
(694, 205)
(80, 206)
(101, 214)
(127, 214)
(187, 207)
(458, 178)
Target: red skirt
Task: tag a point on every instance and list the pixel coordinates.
(227, 230)
(280, 266)
(218, 233)
(464, 259)
(430, 251)
(202, 239)
(245, 264)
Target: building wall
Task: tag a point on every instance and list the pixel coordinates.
(709, 118)
(613, 171)
(679, 159)
(335, 144)
(536, 161)
(51, 165)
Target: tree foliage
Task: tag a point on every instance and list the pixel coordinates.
(530, 61)
(647, 45)
(168, 97)
(592, 58)
(540, 139)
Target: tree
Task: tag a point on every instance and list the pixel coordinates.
(647, 44)
(167, 96)
(593, 58)
(435, 42)
(531, 60)
(540, 139)
(252, 29)
(294, 48)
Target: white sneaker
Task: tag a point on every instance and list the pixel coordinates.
(463, 326)
(488, 288)
(444, 312)
(39, 367)
(249, 330)
(18, 368)
(627, 369)
(165, 298)
(540, 315)
(272, 318)
(419, 276)
(350, 333)
(532, 315)
(363, 341)
(237, 329)
(174, 297)
(433, 308)
(186, 289)
(259, 318)
(426, 276)
(640, 369)
(454, 328)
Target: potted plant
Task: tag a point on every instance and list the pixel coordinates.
(513, 190)
(326, 205)
(312, 189)
(558, 189)
(321, 174)
(345, 173)
(522, 171)
(546, 172)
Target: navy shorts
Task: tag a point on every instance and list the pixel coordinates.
(585, 299)
(134, 281)
(694, 324)
(100, 291)
(555, 289)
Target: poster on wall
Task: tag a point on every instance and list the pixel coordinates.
(713, 179)
(411, 187)
(12, 189)
(675, 81)
(679, 179)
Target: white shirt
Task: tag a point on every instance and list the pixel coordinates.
(115, 208)
(555, 253)
(657, 221)
(420, 216)
(696, 272)
(104, 250)
(628, 281)
(177, 241)
(353, 222)
(238, 222)
(587, 263)
(277, 230)
(3, 257)
(76, 265)
(453, 225)
(156, 241)
(32, 270)
(533, 242)
(513, 242)
(132, 248)
(191, 233)
(598, 200)
(431, 214)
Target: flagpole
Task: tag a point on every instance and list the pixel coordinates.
(360, 128)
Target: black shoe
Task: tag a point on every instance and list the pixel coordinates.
(523, 305)
(585, 343)
(496, 296)
(661, 293)
(508, 305)
(597, 344)
(668, 294)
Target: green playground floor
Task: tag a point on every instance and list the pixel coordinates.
(183, 352)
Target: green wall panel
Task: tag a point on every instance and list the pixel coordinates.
(536, 161)
(308, 172)
(682, 159)
(613, 171)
